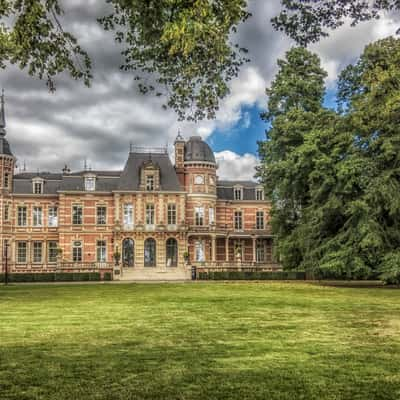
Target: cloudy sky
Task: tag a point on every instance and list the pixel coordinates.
(47, 130)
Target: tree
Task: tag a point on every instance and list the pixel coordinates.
(183, 46)
(295, 98)
(306, 21)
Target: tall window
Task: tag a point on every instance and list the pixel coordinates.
(211, 216)
(260, 220)
(101, 215)
(259, 194)
(101, 251)
(90, 183)
(22, 252)
(52, 218)
(38, 187)
(128, 215)
(199, 216)
(149, 214)
(37, 216)
(150, 252)
(150, 182)
(171, 214)
(238, 220)
(37, 252)
(22, 219)
(52, 252)
(77, 214)
(6, 212)
(6, 180)
(238, 193)
(172, 252)
(77, 251)
(260, 250)
(199, 251)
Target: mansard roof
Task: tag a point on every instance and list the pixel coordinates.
(130, 177)
(225, 189)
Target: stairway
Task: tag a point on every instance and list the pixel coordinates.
(155, 274)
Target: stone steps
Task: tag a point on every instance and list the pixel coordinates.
(155, 274)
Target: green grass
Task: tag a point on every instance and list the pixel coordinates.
(199, 341)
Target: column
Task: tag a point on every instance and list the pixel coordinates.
(227, 249)
(213, 248)
(254, 249)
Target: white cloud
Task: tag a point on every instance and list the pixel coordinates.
(233, 166)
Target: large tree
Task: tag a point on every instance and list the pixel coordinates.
(181, 49)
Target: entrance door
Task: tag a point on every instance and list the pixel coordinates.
(128, 252)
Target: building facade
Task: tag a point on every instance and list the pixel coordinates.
(151, 220)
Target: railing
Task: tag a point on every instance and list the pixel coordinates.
(61, 266)
(148, 150)
(238, 266)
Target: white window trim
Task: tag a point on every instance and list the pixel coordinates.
(240, 188)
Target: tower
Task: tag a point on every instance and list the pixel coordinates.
(179, 145)
(7, 160)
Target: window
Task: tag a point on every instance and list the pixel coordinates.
(150, 182)
(101, 215)
(77, 251)
(211, 180)
(149, 214)
(52, 252)
(128, 215)
(238, 220)
(77, 214)
(37, 187)
(22, 216)
(37, 216)
(199, 180)
(260, 250)
(6, 212)
(211, 216)
(172, 252)
(21, 252)
(238, 193)
(6, 180)
(150, 252)
(199, 216)
(260, 220)
(37, 252)
(171, 214)
(259, 194)
(52, 218)
(101, 251)
(199, 251)
(128, 252)
(90, 183)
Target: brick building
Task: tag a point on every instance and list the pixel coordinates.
(158, 217)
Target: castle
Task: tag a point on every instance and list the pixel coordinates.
(152, 220)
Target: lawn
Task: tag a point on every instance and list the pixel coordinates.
(199, 341)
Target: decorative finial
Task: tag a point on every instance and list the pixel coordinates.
(179, 137)
(85, 164)
(2, 115)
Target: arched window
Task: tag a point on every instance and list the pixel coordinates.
(172, 252)
(128, 252)
(150, 252)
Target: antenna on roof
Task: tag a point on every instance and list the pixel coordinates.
(85, 167)
(24, 166)
(130, 147)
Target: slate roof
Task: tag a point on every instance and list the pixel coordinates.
(5, 147)
(130, 177)
(225, 189)
(106, 181)
(198, 150)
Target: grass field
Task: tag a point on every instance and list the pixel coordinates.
(199, 341)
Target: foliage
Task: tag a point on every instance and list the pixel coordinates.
(307, 21)
(334, 177)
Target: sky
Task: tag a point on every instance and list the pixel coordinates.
(49, 130)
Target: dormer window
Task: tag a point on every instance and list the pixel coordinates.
(259, 194)
(90, 183)
(37, 186)
(238, 193)
(149, 182)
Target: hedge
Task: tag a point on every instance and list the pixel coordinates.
(251, 275)
(56, 277)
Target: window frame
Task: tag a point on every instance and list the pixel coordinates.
(211, 216)
(22, 217)
(259, 191)
(128, 215)
(171, 214)
(238, 190)
(50, 259)
(150, 182)
(18, 248)
(150, 214)
(260, 217)
(101, 251)
(199, 215)
(101, 219)
(76, 253)
(52, 216)
(90, 183)
(37, 216)
(34, 252)
(238, 220)
(77, 218)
